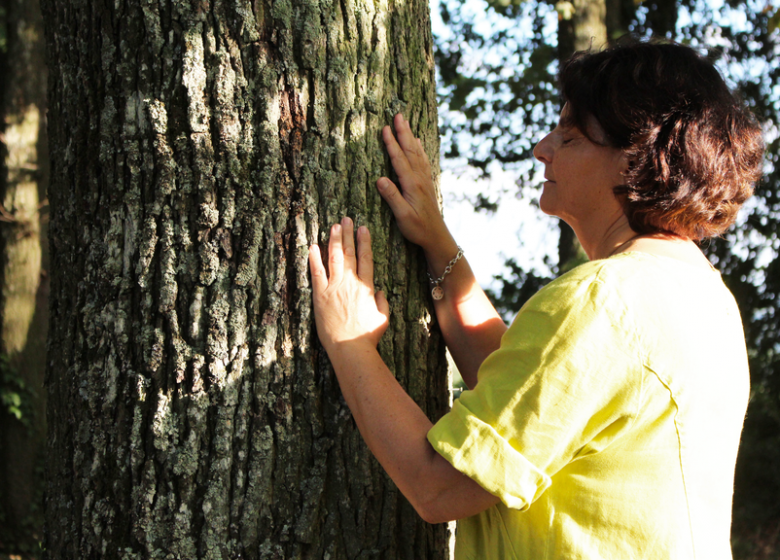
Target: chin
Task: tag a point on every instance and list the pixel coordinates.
(547, 203)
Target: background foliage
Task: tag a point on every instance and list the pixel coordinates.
(498, 63)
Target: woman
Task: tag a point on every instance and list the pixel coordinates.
(604, 423)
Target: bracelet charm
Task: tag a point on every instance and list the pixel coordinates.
(437, 292)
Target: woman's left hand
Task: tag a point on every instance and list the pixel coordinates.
(345, 305)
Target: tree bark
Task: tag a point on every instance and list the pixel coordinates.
(197, 148)
(23, 314)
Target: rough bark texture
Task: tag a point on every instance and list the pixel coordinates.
(22, 317)
(198, 147)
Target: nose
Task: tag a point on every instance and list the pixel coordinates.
(543, 151)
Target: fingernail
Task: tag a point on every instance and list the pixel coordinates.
(346, 221)
(383, 184)
(362, 230)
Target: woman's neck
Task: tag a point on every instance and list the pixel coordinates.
(601, 242)
(620, 238)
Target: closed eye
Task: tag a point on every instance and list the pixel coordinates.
(565, 141)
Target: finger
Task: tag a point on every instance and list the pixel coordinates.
(365, 264)
(397, 157)
(393, 197)
(348, 243)
(335, 255)
(319, 278)
(424, 155)
(412, 149)
(381, 303)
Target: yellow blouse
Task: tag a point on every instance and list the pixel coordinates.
(609, 419)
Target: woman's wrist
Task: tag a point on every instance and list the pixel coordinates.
(342, 350)
(439, 253)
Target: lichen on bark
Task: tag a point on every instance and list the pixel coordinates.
(198, 149)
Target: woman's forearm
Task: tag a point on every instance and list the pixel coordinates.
(351, 318)
(471, 326)
(396, 429)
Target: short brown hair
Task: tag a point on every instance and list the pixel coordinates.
(694, 149)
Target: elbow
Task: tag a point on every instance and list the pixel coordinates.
(442, 493)
(435, 519)
(431, 516)
(459, 501)
(432, 512)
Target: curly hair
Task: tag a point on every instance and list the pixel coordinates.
(694, 150)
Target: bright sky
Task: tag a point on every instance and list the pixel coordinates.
(518, 229)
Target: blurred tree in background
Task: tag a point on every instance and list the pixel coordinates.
(498, 61)
(23, 308)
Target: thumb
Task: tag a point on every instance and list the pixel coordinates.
(381, 304)
(319, 278)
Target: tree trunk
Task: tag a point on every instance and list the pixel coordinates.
(581, 26)
(662, 17)
(619, 15)
(23, 314)
(197, 148)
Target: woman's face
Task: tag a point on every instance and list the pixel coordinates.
(580, 174)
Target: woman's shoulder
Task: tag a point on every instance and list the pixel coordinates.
(634, 282)
(602, 277)
(639, 270)
(590, 293)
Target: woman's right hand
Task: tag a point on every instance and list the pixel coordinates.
(415, 206)
(471, 326)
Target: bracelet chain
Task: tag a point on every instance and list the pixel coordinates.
(437, 292)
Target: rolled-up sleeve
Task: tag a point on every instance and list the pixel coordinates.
(558, 388)
(477, 450)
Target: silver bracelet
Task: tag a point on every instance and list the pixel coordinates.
(437, 292)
